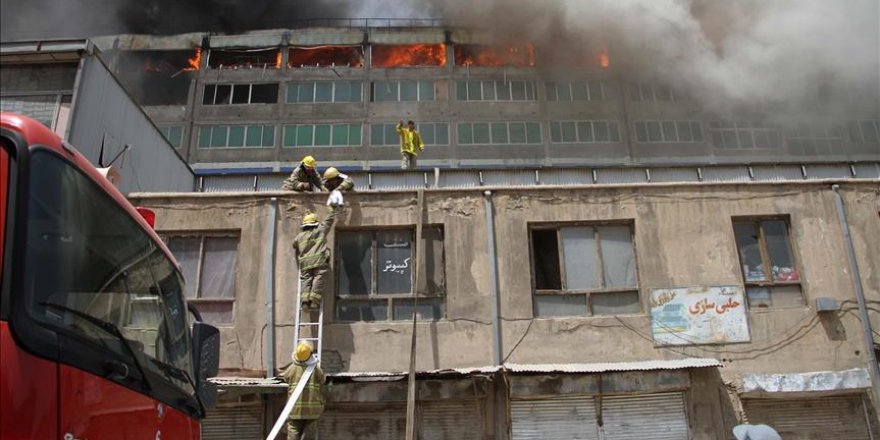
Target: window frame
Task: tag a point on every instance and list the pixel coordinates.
(587, 293)
(398, 83)
(720, 127)
(675, 122)
(395, 142)
(388, 298)
(166, 133)
(233, 86)
(640, 92)
(766, 263)
(577, 127)
(358, 126)
(228, 129)
(552, 89)
(293, 87)
(489, 125)
(530, 92)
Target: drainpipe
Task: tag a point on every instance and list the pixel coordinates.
(500, 397)
(270, 288)
(873, 367)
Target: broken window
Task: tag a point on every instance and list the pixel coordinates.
(767, 261)
(326, 56)
(408, 55)
(322, 135)
(244, 58)
(581, 270)
(374, 275)
(208, 264)
(433, 133)
(222, 94)
(499, 133)
(517, 55)
(157, 77)
(668, 131)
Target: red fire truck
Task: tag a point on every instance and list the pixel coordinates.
(96, 341)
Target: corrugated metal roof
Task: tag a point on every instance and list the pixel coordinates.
(601, 367)
(247, 382)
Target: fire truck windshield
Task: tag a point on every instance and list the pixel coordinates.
(86, 257)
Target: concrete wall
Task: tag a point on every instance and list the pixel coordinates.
(683, 237)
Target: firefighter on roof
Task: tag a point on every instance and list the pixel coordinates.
(304, 177)
(410, 144)
(313, 257)
(334, 180)
(303, 419)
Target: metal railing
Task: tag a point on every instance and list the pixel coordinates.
(361, 23)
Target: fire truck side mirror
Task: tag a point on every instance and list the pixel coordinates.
(206, 359)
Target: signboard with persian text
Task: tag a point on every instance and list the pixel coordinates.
(699, 315)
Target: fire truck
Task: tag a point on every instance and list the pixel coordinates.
(96, 339)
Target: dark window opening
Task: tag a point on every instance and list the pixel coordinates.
(327, 56)
(546, 246)
(244, 58)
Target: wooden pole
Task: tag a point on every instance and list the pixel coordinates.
(411, 385)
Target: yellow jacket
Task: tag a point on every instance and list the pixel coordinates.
(410, 140)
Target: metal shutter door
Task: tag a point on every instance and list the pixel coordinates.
(569, 418)
(649, 417)
(821, 418)
(442, 420)
(362, 424)
(234, 422)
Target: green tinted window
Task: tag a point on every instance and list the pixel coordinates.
(322, 135)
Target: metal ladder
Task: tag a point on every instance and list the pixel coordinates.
(299, 325)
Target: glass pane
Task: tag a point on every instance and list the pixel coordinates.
(786, 296)
(186, 252)
(746, 140)
(870, 131)
(218, 268)
(517, 133)
(204, 137)
(749, 252)
(617, 303)
(669, 134)
(409, 91)
(488, 90)
(354, 134)
(340, 134)
(654, 132)
(427, 132)
(518, 90)
(474, 91)
(385, 91)
(585, 131)
(569, 133)
(503, 91)
(533, 132)
(292, 89)
(342, 91)
(322, 135)
(614, 131)
(550, 86)
(465, 134)
(759, 297)
(391, 137)
(697, 131)
(289, 136)
(304, 135)
(461, 90)
(564, 91)
(545, 253)
(356, 92)
(596, 91)
(394, 262)
(324, 91)
(601, 131)
(216, 312)
(481, 133)
(426, 90)
(429, 309)
(268, 136)
(442, 134)
(347, 310)
(353, 273)
(579, 254)
(218, 136)
(555, 132)
(779, 250)
(499, 133)
(641, 132)
(560, 305)
(730, 140)
(307, 92)
(579, 91)
(618, 259)
(376, 134)
(236, 136)
(684, 132)
(241, 93)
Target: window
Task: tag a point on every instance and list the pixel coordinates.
(403, 91)
(584, 270)
(651, 132)
(323, 92)
(224, 94)
(500, 133)
(814, 138)
(374, 275)
(864, 132)
(645, 92)
(727, 134)
(52, 110)
(237, 136)
(563, 132)
(173, 134)
(490, 90)
(322, 135)
(576, 91)
(768, 264)
(208, 263)
(433, 133)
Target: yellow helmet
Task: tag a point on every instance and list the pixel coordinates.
(310, 162)
(303, 352)
(310, 219)
(331, 173)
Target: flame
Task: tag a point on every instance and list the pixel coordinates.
(409, 55)
(326, 56)
(195, 62)
(518, 55)
(604, 61)
(278, 60)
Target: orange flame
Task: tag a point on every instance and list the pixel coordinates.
(326, 56)
(278, 60)
(604, 61)
(195, 62)
(519, 55)
(409, 55)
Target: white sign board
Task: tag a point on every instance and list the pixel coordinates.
(698, 315)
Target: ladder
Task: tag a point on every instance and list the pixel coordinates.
(316, 334)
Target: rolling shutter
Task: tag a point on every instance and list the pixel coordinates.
(569, 418)
(654, 417)
(234, 422)
(363, 424)
(459, 419)
(840, 417)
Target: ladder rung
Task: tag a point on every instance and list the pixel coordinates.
(309, 323)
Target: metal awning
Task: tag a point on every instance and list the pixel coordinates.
(828, 382)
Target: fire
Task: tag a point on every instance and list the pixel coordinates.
(278, 60)
(520, 55)
(195, 62)
(409, 55)
(326, 56)
(604, 61)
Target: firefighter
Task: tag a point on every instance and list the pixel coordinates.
(304, 416)
(313, 257)
(334, 180)
(410, 144)
(304, 177)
